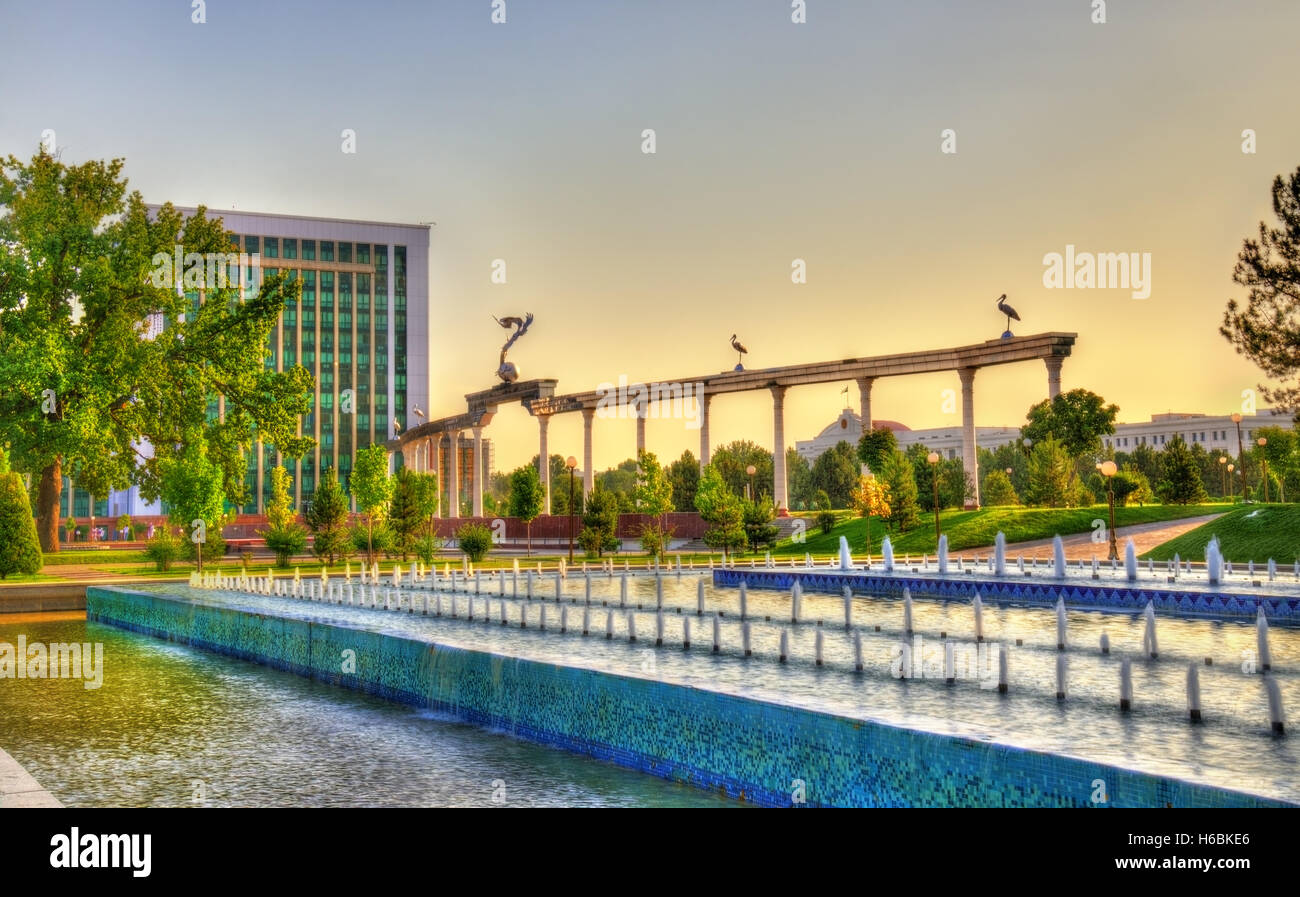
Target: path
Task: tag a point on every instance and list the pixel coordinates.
(1080, 546)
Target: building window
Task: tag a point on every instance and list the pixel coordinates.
(271, 248)
(363, 253)
(345, 253)
(290, 248)
(250, 245)
(309, 250)
(327, 250)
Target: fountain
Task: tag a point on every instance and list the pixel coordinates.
(907, 610)
(631, 626)
(1060, 624)
(796, 602)
(1261, 640)
(1060, 677)
(1130, 560)
(846, 559)
(1058, 554)
(564, 620)
(905, 659)
(1213, 562)
(978, 606)
(1193, 693)
(686, 633)
(659, 591)
(848, 608)
(622, 590)
(942, 559)
(717, 634)
(744, 639)
(949, 664)
(1178, 565)
(818, 646)
(1105, 643)
(1003, 681)
(1000, 554)
(659, 628)
(541, 618)
(1276, 721)
(699, 598)
(586, 620)
(887, 554)
(744, 602)
(1149, 635)
(1272, 569)
(857, 651)
(1126, 685)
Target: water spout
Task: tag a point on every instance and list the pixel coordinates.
(1276, 720)
(744, 602)
(1126, 685)
(846, 558)
(1261, 641)
(943, 555)
(978, 606)
(1193, 693)
(907, 611)
(1130, 560)
(1058, 553)
(848, 608)
(1060, 677)
(887, 554)
(1000, 554)
(1149, 645)
(1060, 623)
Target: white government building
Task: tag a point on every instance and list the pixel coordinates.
(1215, 431)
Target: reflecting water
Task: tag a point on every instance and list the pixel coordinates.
(1231, 748)
(172, 723)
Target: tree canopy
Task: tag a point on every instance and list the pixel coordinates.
(1076, 419)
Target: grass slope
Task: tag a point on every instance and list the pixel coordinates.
(1256, 533)
(975, 529)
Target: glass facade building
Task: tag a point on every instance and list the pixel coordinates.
(360, 329)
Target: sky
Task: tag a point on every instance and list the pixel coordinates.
(774, 141)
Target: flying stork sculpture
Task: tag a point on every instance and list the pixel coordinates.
(506, 370)
(1009, 312)
(740, 351)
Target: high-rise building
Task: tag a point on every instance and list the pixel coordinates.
(361, 329)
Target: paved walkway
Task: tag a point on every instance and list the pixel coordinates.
(1080, 546)
(19, 789)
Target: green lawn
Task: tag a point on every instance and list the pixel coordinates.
(1256, 533)
(976, 529)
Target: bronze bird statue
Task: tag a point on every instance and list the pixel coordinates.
(1009, 312)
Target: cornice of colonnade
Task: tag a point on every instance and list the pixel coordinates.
(538, 396)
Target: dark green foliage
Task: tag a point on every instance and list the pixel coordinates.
(475, 541)
(327, 518)
(20, 548)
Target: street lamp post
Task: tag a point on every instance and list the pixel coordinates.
(1223, 475)
(1108, 470)
(1232, 484)
(571, 462)
(933, 459)
(1241, 452)
(1263, 460)
(751, 470)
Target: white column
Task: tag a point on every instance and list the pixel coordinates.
(544, 461)
(435, 464)
(588, 474)
(477, 473)
(1054, 363)
(780, 495)
(642, 411)
(969, 458)
(864, 400)
(453, 475)
(704, 399)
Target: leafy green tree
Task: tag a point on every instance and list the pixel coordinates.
(81, 276)
(870, 498)
(527, 498)
(1052, 480)
(415, 500)
(1267, 329)
(1182, 484)
(684, 477)
(600, 523)
(1282, 451)
(283, 535)
(653, 495)
(997, 490)
(1076, 419)
(327, 517)
(475, 540)
(722, 510)
(162, 549)
(123, 524)
(734, 458)
(895, 471)
(193, 486)
(620, 481)
(875, 446)
(836, 472)
(798, 475)
(759, 529)
(20, 549)
(372, 488)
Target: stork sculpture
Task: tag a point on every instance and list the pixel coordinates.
(507, 370)
(1009, 312)
(740, 351)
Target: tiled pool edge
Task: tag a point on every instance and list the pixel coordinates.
(744, 747)
(1188, 602)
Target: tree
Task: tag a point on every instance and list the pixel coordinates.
(1052, 480)
(600, 523)
(722, 510)
(653, 495)
(870, 499)
(527, 497)
(1182, 483)
(734, 458)
(875, 446)
(1267, 329)
(1282, 451)
(372, 488)
(1076, 419)
(283, 535)
(997, 489)
(415, 500)
(123, 524)
(86, 385)
(193, 486)
(327, 517)
(759, 529)
(20, 548)
(798, 475)
(475, 540)
(836, 472)
(684, 477)
(895, 471)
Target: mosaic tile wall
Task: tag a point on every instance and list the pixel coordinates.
(1189, 602)
(751, 750)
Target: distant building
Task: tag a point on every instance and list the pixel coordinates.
(1212, 431)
